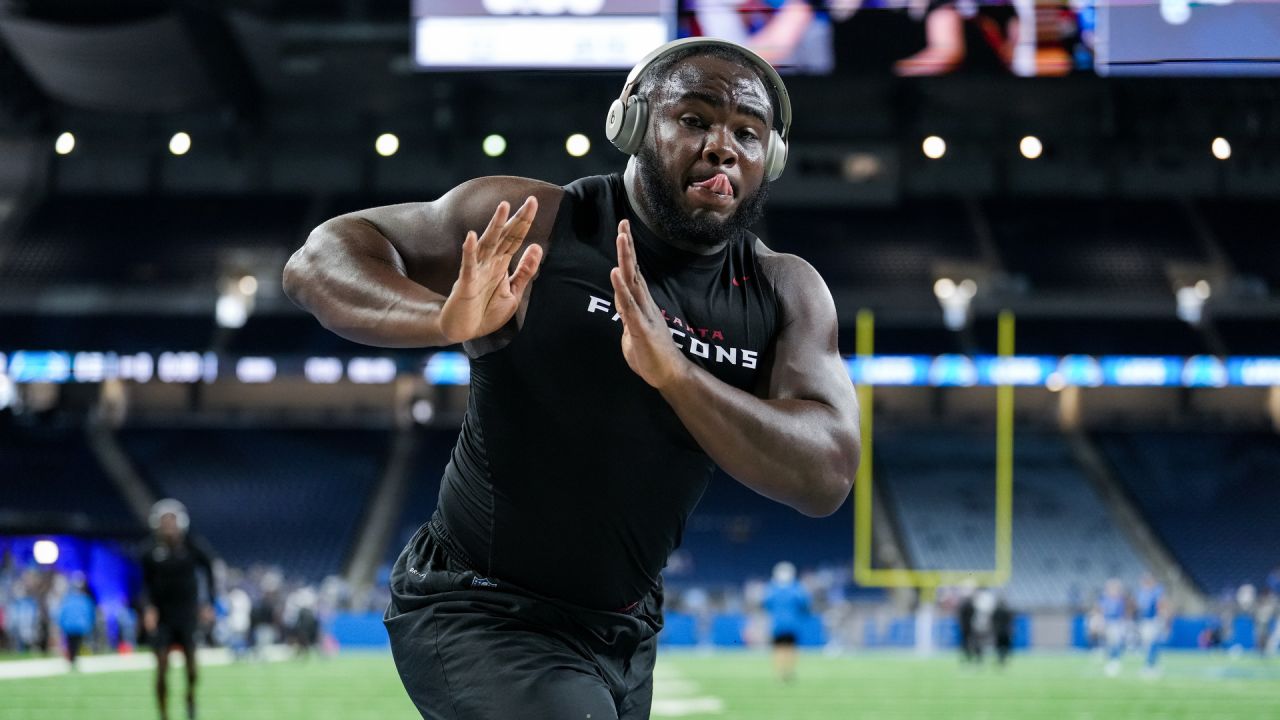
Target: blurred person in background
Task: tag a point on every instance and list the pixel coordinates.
(1272, 645)
(982, 624)
(1264, 617)
(1246, 604)
(239, 609)
(964, 620)
(663, 338)
(126, 628)
(1116, 613)
(1095, 628)
(1153, 614)
(22, 617)
(1002, 629)
(301, 620)
(788, 604)
(265, 617)
(173, 569)
(77, 617)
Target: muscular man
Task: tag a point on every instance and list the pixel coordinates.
(658, 338)
(170, 574)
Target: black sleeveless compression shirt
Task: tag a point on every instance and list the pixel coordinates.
(572, 478)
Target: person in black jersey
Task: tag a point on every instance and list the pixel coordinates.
(170, 575)
(659, 338)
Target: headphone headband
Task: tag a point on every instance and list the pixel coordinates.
(779, 89)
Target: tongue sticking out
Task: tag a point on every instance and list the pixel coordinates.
(718, 183)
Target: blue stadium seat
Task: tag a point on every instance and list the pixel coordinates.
(53, 483)
(1212, 498)
(940, 487)
(429, 460)
(273, 497)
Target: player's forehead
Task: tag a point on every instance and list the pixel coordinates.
(715, 79)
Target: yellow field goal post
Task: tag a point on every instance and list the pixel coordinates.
(929, 580)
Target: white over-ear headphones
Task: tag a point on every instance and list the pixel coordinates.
(629, 115)
(169, 506)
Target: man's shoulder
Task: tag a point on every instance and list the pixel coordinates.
(607, 181)
(789, 274)
(489, 190)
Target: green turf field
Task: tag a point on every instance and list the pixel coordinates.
(738, 686)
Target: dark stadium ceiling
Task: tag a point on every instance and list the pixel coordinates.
(286, 81)
(284, 99)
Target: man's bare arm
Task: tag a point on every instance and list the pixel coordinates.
(799, 444)
(384, 276)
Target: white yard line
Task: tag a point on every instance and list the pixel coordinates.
(676, 696)
(142, 660)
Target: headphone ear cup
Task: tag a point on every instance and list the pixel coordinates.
(613, 123)
(626, 124)
(775, 158)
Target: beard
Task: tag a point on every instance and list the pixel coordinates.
(660, 199)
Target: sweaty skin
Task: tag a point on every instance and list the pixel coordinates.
(397, 276)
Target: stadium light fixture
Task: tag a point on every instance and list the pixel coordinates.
(422, 411)
(934, 147)
(1191, 299)
(944, 288)
(65, 143)
(387, 144)
(1221, 148)
(232, 311)
(1031, 147)
(180, 143)
(494, 145)
(235, 300)
(577, 145)
(45, 552)
(956, 299)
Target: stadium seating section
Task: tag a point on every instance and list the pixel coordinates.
(430, 458)
(160, 240)
(881, 249)
(50, 480)
(1212, 499)
(275, 497)
(941, 490)
(1092, 245)
(736, 534)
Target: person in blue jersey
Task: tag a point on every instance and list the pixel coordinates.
(1117, 615)
(1272, 633)
(77, 617)
(1152, 610)
(626, 333)
(787, 603)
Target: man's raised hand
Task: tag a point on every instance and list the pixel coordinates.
(646, 339)
(486, 294)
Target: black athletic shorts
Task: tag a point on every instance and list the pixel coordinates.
(473, 648)
(784, 639)
(171, 632)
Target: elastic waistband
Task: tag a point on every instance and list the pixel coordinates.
(459, 561)
(457, 556)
